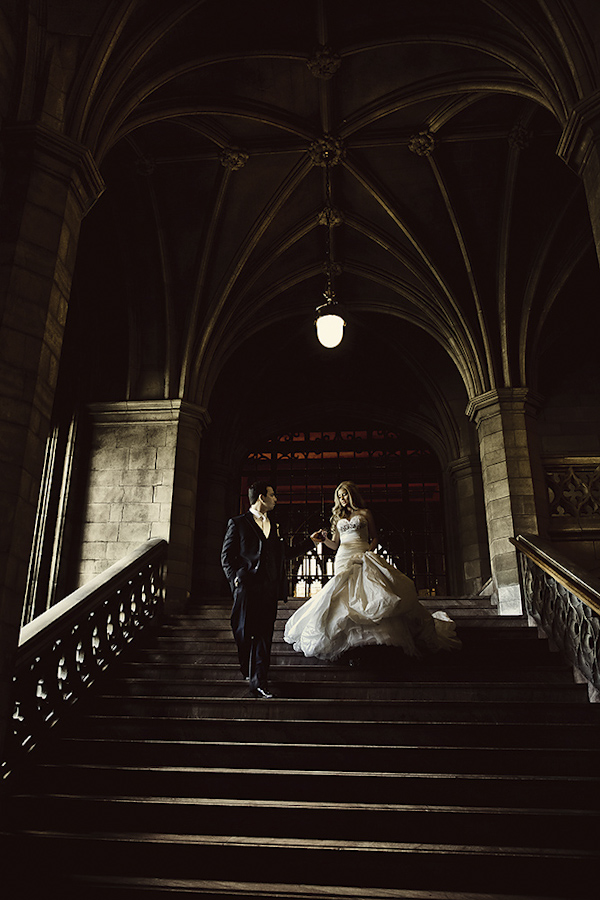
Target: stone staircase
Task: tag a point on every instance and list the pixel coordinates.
(465, 775)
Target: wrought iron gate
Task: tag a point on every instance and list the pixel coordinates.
(400, 482)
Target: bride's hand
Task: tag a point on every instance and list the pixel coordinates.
(317, 536)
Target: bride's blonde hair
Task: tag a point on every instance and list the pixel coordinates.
(355, 501)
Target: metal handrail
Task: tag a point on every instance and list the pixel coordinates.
(62, 652)
(564, 570)
(564, 601)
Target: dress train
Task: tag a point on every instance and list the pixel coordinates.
(367, 602)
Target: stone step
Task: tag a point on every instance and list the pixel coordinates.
(300, 819)
(445, 758)
(467, 617)
(286, 710)
(162, 675)
(478, 634)
(537, 791)
(386, 864)
(337, 732)
(213, 629)
(463, 617)
(102, 886)
(432, 603)
(223, 641)
(132, 694)
(441, 601)
(525, 652)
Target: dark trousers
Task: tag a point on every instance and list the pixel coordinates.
(252, 622)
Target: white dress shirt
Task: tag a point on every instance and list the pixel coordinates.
(263, 521)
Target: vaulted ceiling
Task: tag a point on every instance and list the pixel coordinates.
(225, 131)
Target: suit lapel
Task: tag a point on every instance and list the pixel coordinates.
(256, 526)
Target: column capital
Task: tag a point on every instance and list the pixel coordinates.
(33, 144)
(581, 133)
(493, 402)
(464, 467)
(128, 412)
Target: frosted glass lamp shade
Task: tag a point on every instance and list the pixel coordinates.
(330, 328)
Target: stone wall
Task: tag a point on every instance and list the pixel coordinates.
(143, 472)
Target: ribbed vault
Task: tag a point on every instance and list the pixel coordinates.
(456, 217)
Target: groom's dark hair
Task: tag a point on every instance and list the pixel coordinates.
(258, 489)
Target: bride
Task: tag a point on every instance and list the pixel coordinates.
(368, 601)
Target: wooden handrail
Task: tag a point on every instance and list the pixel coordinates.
(583, 585)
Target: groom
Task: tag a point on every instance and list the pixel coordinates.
(253, 559)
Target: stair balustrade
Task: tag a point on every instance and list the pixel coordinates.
(62, 652)
(564, 601)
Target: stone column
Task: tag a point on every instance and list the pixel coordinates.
(142, 485)
(512, 482)
(50, 182)
(192, 422)
(579, 147)
(468, 515)
(214, 508)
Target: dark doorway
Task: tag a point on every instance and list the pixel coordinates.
(400, 479)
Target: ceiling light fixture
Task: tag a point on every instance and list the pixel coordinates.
(329, 321)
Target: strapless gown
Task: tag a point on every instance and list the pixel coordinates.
(368, 601)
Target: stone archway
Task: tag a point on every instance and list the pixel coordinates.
(400, 479)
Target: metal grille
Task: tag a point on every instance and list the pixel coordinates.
(400, 483)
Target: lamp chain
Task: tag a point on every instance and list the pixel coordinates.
(330, 294)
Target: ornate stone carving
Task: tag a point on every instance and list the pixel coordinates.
(572, 624)
(324, 62)
(519, 137)
(326, 151)
(233, 158)
(329, 268)
(422, 143)
(573, 491)
(67, 648)
(330, 216)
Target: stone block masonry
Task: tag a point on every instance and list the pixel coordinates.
(143, 471)
(512, 481)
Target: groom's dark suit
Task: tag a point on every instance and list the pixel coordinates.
(255, 569)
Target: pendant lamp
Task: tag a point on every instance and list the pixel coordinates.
(329, 321)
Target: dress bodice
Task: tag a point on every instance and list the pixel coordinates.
(353, 530)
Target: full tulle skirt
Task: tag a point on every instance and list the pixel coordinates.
(367, 602)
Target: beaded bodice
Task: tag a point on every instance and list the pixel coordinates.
(354, 529)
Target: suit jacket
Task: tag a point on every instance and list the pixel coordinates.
(241, 554)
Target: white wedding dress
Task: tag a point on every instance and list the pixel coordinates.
(368, 601)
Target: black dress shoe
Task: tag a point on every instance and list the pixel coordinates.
(262, 693)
